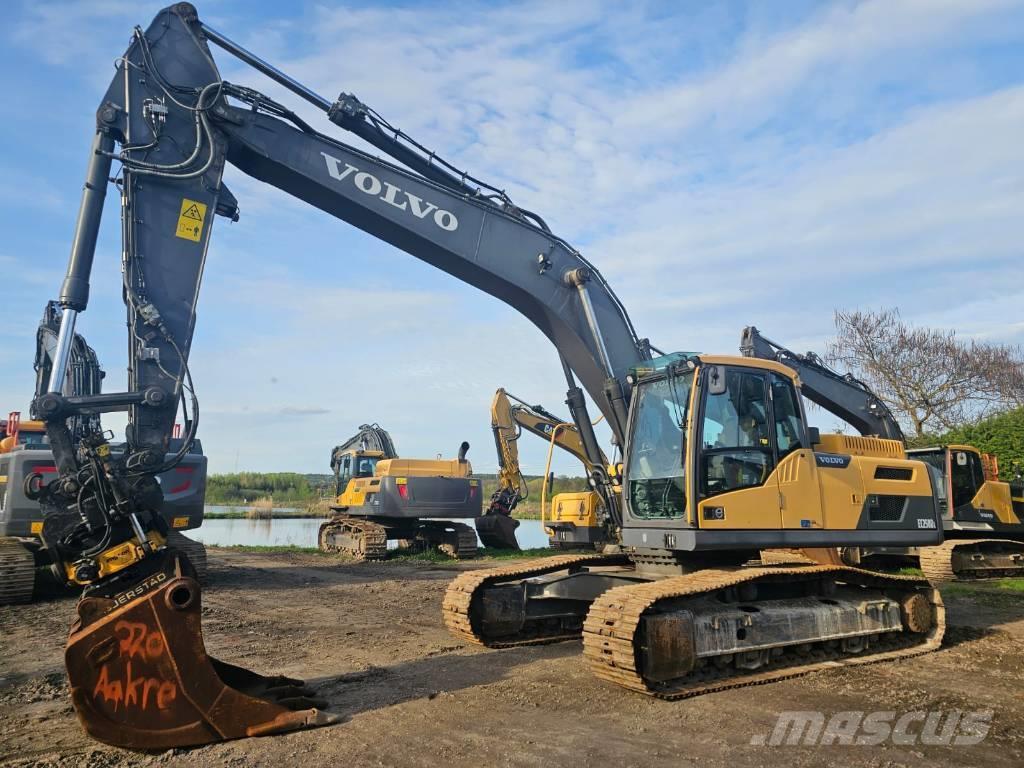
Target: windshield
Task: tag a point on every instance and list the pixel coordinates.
(655, 473)
(365, 466)
(33, 439)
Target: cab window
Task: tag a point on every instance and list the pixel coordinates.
(344, 473)
(736, 439)
(365, 466)
(655, 474)
(967, 476)
(786, 411)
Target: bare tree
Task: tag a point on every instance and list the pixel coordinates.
(932, 380)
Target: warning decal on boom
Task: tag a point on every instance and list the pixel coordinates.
(190, 220)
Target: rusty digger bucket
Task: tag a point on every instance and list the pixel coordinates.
(140, 676)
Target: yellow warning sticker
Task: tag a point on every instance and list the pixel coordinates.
(37, 527)
(180, 522)
(190, 220)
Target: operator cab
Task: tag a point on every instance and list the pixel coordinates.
(961, 468)
(358, 464)
(720, 457)
(747, 419)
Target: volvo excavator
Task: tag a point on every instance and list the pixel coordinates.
(982, 526)
(380, 497)
(26, 463)
(578, 518)
(719, 460)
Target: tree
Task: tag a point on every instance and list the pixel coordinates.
(932, 380)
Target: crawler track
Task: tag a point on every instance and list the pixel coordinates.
(456, 540)
(610, 632)
(459, 599)
(194, 550)
(949, 562)
(360, 538)
(17, 572)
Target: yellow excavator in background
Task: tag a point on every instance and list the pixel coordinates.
(577, 518)
(381, 496)
(982, 516)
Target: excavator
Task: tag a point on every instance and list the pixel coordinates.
(719, 460)
(26, 463)
(982, 526)
(578, 518)
(382, 497)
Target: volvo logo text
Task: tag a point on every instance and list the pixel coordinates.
(831, 460)
(369, 184)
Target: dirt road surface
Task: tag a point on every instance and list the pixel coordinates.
(370, 637)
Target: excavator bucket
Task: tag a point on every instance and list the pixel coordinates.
(140, 676)
(497, 530)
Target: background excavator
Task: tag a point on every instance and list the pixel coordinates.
(719, 461)
(27, 463)
(577, 518)
(380, 496)
(982, 526)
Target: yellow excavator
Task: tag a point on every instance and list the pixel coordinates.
(981, 515)
(719, 461)
(381, 496)
(577, 518)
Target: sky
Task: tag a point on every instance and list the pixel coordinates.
(723, 164)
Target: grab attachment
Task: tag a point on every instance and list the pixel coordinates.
(140, 676)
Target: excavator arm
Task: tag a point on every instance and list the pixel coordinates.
(508, 420)
(370, 437)
(171, 123)
(843, 395)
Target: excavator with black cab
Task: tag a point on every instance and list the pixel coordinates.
(719, 460)
(417, 502)
(981, 521)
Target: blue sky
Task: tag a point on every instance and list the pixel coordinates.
(723, 164)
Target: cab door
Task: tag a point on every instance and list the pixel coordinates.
(736, 457)
(796, 471)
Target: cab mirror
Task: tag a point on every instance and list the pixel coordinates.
(961, 459)
(814, 435)
(716, 379)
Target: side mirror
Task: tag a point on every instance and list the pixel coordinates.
(716, 379)
(961, 459)
(551, 483)
(814, 435)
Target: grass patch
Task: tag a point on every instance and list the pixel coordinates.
(433, 556)
(997, 591)
(279, 549)
(910, 572)
(279, 514)
(261, 509)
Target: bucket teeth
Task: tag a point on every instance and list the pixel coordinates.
(140, 676)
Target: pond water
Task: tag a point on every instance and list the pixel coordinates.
(302, 531)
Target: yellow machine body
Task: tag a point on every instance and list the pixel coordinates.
(116, 559)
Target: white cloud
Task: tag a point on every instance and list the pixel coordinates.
(721, 167)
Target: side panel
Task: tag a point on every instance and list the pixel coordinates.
(995, 497)
(800, 491)
(453, 497)
(745, 509)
